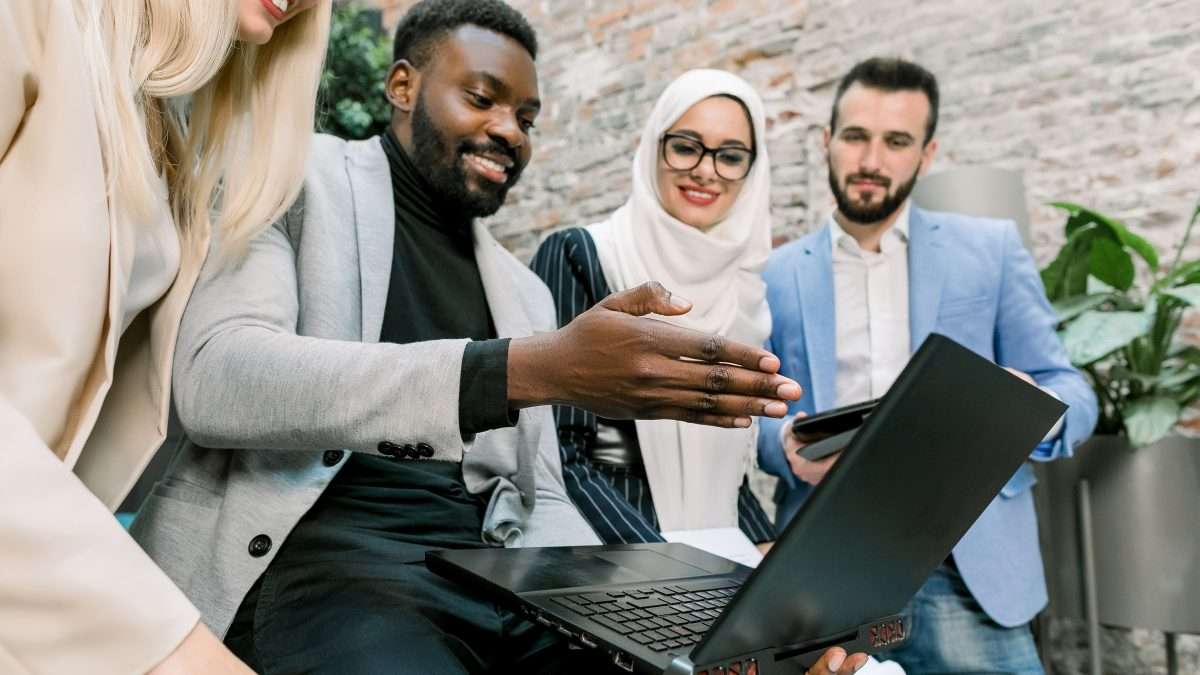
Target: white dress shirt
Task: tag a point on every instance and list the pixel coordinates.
(871, 311)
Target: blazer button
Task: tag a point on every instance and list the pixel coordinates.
(332, 457)
(425, 449)
(260, 546)
(390, 449)
(410, 451)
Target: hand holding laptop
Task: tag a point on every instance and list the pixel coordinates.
(835, 660)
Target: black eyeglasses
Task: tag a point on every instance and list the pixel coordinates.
(684, 153)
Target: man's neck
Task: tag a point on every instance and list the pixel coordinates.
(868, 235)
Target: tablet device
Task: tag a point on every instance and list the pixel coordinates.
(834, 421)
(827, 446)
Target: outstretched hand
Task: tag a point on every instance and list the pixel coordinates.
(614, 361)
(836, 662)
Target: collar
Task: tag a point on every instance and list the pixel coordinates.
(897, 233)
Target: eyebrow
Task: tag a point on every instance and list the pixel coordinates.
(894, 134)
(502, 88)
(728, 142)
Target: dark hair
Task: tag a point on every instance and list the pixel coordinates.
(429, 21)
(890, 74)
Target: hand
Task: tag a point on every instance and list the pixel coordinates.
(619, 365)
(764, 547)
(201, 653)
(1023, 376)
(806, 470)
(835, 661)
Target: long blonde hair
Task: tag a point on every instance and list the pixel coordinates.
(227, 124)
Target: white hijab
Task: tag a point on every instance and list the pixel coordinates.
(695, 471)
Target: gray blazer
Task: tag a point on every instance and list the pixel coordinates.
(278, 361)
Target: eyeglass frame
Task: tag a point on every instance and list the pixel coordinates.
(706, 151)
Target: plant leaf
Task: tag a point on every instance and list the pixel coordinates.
(1081, 216)
(1094, 334)
(1069, 308)
(1149, 419)
(1109, 263)
(1189, 294)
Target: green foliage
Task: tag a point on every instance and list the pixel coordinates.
(351, 102)
(1122, 335)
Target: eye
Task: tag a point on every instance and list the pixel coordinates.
(853, 136)
(683, 148)
(527, 125)
(479, 100)
(733, 156)
(899, 142)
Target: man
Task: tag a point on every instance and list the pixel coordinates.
(370, 380)
(854, 299)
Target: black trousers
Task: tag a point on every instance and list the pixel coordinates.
(348, 593)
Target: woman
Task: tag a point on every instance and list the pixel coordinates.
(107, 188)
(699, 222)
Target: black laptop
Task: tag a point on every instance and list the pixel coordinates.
(941, 443)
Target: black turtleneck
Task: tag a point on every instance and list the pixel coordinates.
(436, 293)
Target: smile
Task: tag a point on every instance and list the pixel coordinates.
(697, 196)
(277, 8)
(487, 167)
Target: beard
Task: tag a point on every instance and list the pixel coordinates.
(871, 212)
(447, 173)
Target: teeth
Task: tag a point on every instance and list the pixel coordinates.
(281, 5)
(494, 166)
(699, 195)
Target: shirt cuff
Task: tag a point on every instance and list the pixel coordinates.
(1045, 449)
(483, 388)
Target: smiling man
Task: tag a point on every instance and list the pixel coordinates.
(371, 379)
(851, 301)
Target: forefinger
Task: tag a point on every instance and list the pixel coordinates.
(716, 349)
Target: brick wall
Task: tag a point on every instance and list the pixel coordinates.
(1095, 101)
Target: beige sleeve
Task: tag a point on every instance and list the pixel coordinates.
(77, 595)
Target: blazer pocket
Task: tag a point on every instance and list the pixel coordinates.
(185, 491)
(1021, 481)
(175, 531)
(961, 306)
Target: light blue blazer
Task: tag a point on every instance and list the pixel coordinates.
(971, 280)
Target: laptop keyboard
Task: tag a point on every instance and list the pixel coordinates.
(662, 618)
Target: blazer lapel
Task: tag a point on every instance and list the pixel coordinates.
(375, 223)
(504, 301)
(925, 276)
(814, 281)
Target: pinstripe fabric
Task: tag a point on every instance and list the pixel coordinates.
(616, 501)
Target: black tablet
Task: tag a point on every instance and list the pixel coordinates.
(834, 421)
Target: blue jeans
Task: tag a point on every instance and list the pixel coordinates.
(950, 633)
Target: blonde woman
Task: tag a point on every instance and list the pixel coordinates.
(108, 191)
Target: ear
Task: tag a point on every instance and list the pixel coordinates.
(403, 82)
(826, 136)
(927, 155)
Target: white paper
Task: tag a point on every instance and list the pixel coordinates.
(727, 542)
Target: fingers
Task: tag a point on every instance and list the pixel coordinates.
(649, 298)
(836, 662)
(675, 341)
(697, 417)
(728, 379)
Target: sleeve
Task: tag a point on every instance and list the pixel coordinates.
(21, 28)
(1025, 339)
(483, 403)
(76, 594)
(567, 263)
(752, 519)
(243, 378)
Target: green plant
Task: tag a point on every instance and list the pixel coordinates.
(1123, 335)
(351, 101)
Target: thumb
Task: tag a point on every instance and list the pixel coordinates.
(649, 298)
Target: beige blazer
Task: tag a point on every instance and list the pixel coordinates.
(80, 415)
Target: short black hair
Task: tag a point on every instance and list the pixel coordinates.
(891, 74)
(429, 21)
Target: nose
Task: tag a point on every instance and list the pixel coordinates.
(506, 129)
(869, 162)
(706, 170)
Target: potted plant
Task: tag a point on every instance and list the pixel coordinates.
(1120, 327)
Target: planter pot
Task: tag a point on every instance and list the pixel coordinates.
(1145, 529)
